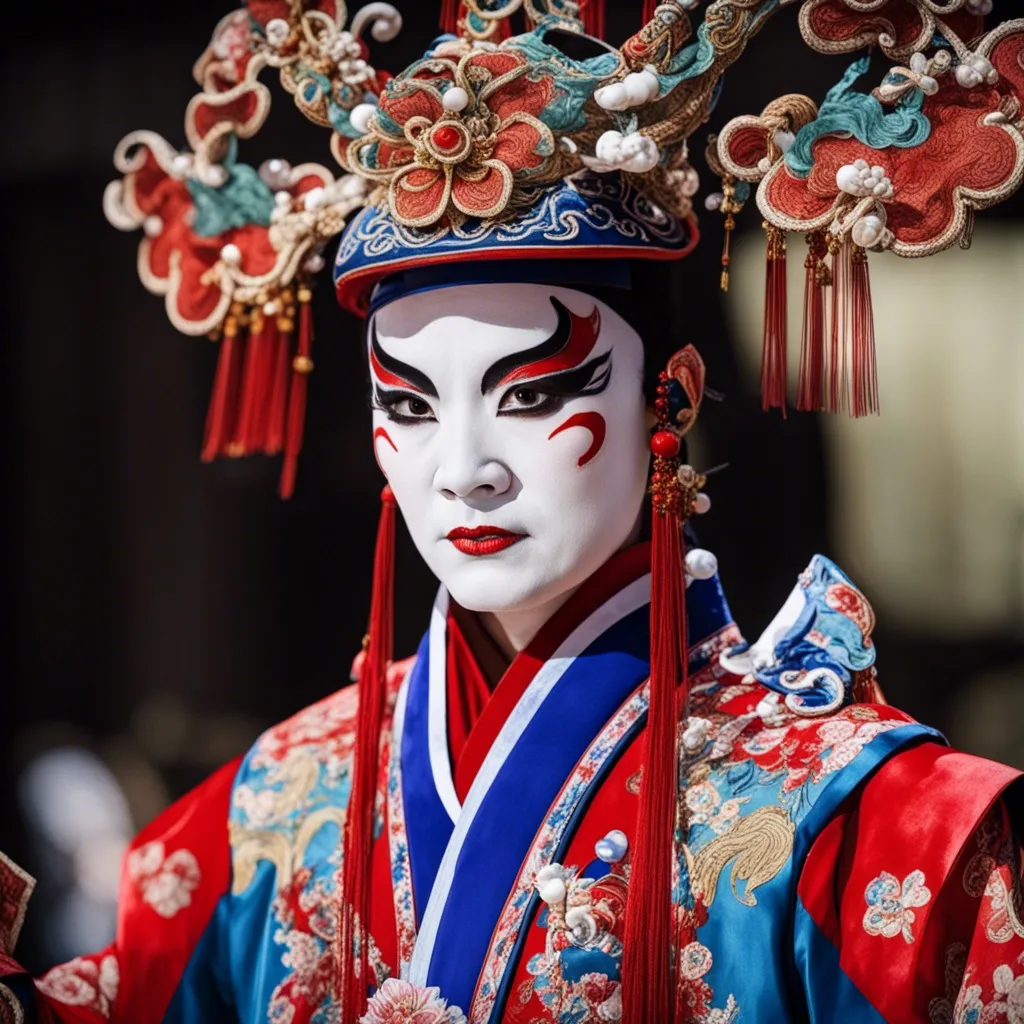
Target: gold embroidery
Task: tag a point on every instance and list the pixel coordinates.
(761, 845)
(282, 849)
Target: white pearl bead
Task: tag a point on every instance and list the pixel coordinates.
(701, 564)
(456, 99)
(182, 164)
(702, 504)
(637, 89)
(276, 174)
(216, 176)
(271, 308)
(360, 117)
(613, 847)
(784, 140)
(313, 264)
(277, 31)
(552, 891)
(283, 199)
(315, 198)
(152, 226)
(713, 201)
(612, 97)
(231, 254)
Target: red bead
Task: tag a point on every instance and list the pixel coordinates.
(665, 444)
(387, 496)
(447, 138)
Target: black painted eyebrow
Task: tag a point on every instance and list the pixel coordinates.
(402, 373)
(546, 350)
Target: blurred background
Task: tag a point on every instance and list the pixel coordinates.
(161, 613)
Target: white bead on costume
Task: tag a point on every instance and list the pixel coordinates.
(455, 99)
(975, 69)
(152, 226)
(702, 504)
(713, 201)
(695, 735)
(784, 140)
(636, 89)
(360, 116)
(276, 174)
(613, 847)
(315, 198)
(867, 231)
(860, 180)
(231, 254)
(701, 564)
(634, 152)
(277, 32)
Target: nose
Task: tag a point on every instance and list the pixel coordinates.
(468, 475)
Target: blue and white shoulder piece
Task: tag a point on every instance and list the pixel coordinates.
(815, 647)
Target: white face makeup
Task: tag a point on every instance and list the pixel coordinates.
(510, 422)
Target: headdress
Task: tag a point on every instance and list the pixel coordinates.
(548, 144)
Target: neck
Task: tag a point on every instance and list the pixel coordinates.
(513, 630)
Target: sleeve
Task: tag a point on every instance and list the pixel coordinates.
(168, 960)
(910, 900)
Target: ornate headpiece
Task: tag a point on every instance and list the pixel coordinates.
(551, 144)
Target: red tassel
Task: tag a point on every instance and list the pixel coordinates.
(220, 419)
(302, 366)
(864, 369)
(773, 357)
(812, 345)
(450, 17)
(594, 18)
(649, 8)
(358, 840)
(277, 407)
(836, 371)
(647, 958)
(504, 31)
(266, 356)
(250, 396)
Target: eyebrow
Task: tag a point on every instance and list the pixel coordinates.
(393, 373)
(573, 340)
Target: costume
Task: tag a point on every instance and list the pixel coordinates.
(645, 818)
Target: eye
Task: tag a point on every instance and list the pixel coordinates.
(527, 401)
(403, 407)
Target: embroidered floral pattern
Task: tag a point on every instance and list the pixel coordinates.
(88, 983)
(707, 807)
(437, 161)
(164, 881)
(401, 1002)
(974, 1005)
(401, 867)
(891, 905)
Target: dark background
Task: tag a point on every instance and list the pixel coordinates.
(160, 612)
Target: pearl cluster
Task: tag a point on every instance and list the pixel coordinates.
(861, 180)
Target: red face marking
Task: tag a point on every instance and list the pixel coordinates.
(592, 421)
(377, 434)
(580, 335)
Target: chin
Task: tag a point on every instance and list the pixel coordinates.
(490, 591)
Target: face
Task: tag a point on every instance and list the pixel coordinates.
(510, 423)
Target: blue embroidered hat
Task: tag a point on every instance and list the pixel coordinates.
(580, 231)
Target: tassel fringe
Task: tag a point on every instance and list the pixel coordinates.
(258, 403)
(810, 394)
(773, 358)
(450, 17)
(358, 839)
(838, 371)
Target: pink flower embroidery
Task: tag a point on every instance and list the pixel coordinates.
(401, 1002)
(166, 883)
(91, 984)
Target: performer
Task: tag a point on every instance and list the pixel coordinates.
(586, 798)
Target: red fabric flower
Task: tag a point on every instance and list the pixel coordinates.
(443, 161)
(973, 158)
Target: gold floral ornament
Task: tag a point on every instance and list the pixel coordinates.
(458, 137)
